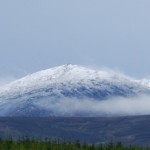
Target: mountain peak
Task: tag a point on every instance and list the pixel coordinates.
(38, 92)
(65, 74)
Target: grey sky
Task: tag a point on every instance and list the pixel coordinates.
(39, 34)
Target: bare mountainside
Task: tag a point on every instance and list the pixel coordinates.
(129, 130)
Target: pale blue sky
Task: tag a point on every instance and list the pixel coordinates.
(39, 34)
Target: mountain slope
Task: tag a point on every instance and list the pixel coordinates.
(132, 130)
(36, 94)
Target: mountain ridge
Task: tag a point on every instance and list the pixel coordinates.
(48, 87)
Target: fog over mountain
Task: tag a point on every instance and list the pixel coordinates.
(72, 90)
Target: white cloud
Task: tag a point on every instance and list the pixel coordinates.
(89, 107)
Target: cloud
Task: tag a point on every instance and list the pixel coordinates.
(89, 107)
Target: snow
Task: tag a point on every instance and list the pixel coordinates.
(71, 74)
(51, 84)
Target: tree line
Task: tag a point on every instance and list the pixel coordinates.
(47, 144)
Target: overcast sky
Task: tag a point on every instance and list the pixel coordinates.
(39, 34)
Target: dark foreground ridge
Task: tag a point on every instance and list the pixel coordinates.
(129, 130)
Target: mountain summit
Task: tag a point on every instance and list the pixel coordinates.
(38, 94)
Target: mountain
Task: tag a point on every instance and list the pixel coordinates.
(60, 91)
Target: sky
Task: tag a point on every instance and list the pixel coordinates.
(39, 34)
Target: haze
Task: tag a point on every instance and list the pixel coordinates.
(89, 107)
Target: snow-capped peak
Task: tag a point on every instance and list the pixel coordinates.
(66, 73)
(45, 87)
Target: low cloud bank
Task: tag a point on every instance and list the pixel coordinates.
(89, 107)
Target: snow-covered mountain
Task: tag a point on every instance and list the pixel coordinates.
(46, 92)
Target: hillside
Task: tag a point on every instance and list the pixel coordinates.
(129, 130)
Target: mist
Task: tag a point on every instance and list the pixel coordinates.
(89, 107)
